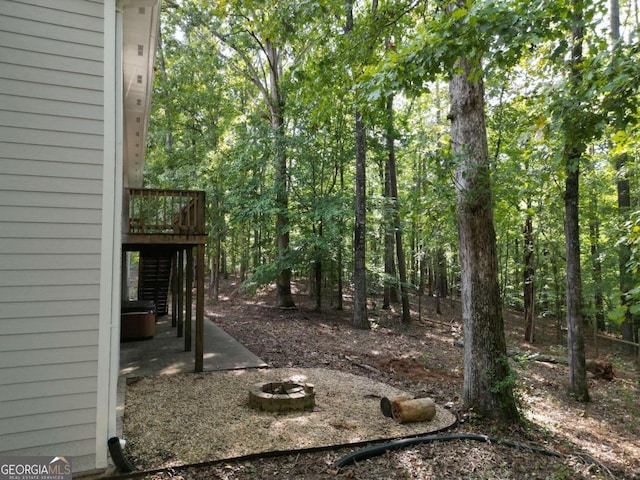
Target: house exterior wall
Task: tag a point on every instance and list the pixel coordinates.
(56, 343)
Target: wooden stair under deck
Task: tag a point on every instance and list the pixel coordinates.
(155, 278)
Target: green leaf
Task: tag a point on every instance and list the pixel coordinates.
(617, 314)
(459, 13)
(619, 137)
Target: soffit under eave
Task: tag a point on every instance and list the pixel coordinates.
(141, 19)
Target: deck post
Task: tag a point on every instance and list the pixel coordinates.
(199, 360)
(189, 300)
(180, 292)
(174, 290)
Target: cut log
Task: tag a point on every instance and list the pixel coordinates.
(416, 410)
(385, 404)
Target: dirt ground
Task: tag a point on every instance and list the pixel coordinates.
(599, 439)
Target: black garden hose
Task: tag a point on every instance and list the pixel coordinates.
(376, 450)
(123, 464)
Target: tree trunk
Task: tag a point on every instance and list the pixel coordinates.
(217, 221)
(390, 294)
(557, 288)
(393, 191)
(244, 252)
(575, 338)
(256, 247)
(596, 266)
(529, 273)
(215, 274)
(442, 287)
(318, 284)
(505, 264)
(487, 384)
(360, 316)
(339, 266)
(623, 187)
(339, 292)
(572, 153)
(318, 272)
(614, 21)
(440, 278)
(276, 107)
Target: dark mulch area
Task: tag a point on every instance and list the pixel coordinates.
(599, 439)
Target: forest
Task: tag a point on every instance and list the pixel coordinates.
(376, 150)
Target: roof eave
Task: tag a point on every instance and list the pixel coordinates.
(141, 22)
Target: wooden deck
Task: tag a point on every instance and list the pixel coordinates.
(163, 217)
(170, 225)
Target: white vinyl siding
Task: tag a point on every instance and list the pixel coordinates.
(51, 167)
(67, 276)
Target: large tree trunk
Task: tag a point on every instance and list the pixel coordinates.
(276, 106)
(572, 154)
(487, 385)
(578, 387)
(360, 315)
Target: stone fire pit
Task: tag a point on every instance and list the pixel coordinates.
(285, 396)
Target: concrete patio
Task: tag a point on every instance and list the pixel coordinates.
(164, 353)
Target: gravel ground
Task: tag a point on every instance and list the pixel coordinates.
(197, 418)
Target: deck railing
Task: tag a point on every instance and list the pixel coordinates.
(166, 212)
